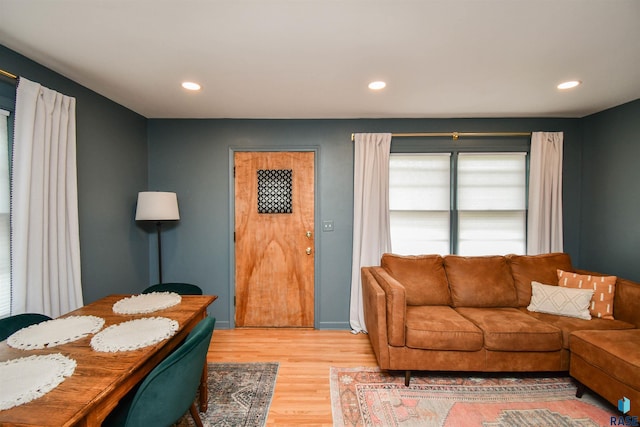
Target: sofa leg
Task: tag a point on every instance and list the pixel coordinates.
(580, 389)
(407, 378)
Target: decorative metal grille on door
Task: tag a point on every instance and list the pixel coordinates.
(274, 191)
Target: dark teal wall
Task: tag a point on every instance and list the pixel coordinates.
(610, 227)
(121, 153)
(191, 157)
(112, 168)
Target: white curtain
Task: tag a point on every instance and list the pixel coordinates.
(5, 265)
(45, 241)
(544, 224)
(371, 235)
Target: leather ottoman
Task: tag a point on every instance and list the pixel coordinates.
(608, 363)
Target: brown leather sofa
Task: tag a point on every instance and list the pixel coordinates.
(454, 313)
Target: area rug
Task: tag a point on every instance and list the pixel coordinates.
(239, 395)
(369, 397)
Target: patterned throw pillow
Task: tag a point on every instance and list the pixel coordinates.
(560, 300)
(603, 291)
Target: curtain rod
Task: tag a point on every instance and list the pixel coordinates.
(8, 74)
(454, 135)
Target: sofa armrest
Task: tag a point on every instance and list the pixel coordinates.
(626, 301)
(375, 315)
(396, 305)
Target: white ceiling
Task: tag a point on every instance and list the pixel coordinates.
(314, 58)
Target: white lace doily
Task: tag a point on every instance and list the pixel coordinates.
(28, 378)
(134, 334)
(146, 303)
(55, 332)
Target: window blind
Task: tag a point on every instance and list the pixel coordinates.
(488, 210)
(419, 200)
(491, 196)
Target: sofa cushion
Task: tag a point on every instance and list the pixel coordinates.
(422, 276)
(560, 300)
(603, 290)
(441, 328)
(609, 352)
(570, 324)
(480, 281)
(540, 268)
(509, 329)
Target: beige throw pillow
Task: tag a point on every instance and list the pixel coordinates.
(560, 300)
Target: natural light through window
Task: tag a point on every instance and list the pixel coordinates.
(463, 203)
(419, 200)
(491, 203)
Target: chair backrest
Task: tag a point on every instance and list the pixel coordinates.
(14, 323)
(168, 391)
(178, 288)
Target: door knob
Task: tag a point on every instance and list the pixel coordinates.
(308, 251)
(308, 234)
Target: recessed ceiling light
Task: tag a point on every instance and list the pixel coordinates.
(191, 86)
(569, 85)
(377, 85)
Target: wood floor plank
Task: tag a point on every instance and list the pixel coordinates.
(302, 393)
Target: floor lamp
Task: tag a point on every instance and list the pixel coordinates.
(158, 207)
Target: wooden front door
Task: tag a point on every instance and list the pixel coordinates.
(274, 239)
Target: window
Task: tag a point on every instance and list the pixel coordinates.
(491, 203)
(419, 201)
(5, 270)
(462, 203)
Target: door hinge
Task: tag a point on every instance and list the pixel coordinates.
(234, 237)
(234, 171)
(234, 301)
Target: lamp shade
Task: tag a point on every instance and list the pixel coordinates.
(157, 206)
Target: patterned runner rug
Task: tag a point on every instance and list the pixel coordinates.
(368, 397)
(239, 395)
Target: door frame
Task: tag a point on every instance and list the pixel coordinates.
(232, 226)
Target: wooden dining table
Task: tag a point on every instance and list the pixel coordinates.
(101, 379)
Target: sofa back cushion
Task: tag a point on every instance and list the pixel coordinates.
(536, 268)
(480, 281)
(422, 276)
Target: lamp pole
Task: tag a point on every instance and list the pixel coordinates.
(158, 226)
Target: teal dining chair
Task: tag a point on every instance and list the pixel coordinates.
(178, 288)
(14, 323)
(169, 391)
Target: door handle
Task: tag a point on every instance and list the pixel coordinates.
(308, 234)
(308, 251)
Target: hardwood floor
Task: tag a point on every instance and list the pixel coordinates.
(302, 393)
